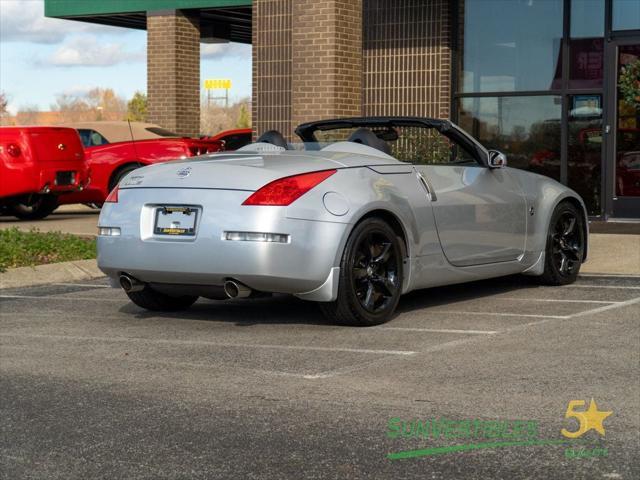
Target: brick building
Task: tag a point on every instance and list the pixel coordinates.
(545, 81)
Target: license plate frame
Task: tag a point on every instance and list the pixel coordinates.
(168, 221)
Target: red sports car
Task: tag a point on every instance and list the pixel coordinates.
(113, 149)
(36, 165)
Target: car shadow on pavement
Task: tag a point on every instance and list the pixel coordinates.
(286, 309)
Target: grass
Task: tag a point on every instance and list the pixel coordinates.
(22, 249)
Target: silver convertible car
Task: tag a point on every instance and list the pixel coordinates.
(358, 213)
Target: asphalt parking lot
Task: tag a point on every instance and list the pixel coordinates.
(94, 387)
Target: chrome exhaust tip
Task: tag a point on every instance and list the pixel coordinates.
(130, 284)
(233, 289)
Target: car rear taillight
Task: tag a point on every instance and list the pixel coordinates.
(113, 196)
(285, 191)
(13, 150)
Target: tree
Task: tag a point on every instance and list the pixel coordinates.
(4, 102)
(96, 104)
(137, 108)
(243, 117)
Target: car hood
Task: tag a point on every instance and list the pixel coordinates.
(242, 171)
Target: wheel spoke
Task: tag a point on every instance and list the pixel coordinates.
(368, 299)
(563, 263)
(388, 285)
(384, 255)
(568, 228)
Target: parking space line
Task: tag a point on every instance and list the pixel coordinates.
(503, 314)
(606, 308)
(62, 297)
(88, 285)
(212, 344)
(438, 330)
(626, 287)
(553, 300)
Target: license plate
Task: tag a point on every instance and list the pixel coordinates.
(65, 178)
(177, 221)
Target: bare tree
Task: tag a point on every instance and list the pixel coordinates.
(215, 118)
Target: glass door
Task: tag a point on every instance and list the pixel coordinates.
(624, 129)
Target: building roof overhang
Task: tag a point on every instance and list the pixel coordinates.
(219, 19)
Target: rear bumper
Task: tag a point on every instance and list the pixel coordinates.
(54, 177)
(301, 266)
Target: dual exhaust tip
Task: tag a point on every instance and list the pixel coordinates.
(232, 288)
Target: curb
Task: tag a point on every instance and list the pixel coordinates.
(52, 273)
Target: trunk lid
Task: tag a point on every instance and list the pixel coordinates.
(227, 171)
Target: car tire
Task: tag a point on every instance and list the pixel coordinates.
(151, 299)
(565, 245)
(371, 272)
(121, 173)
(39, 207)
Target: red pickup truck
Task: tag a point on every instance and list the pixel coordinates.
(36, 165)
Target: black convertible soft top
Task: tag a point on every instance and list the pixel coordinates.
(306, 131)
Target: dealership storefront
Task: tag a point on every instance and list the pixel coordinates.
(552, 83)
(547, 82)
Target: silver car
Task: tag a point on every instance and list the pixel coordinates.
(360, 212)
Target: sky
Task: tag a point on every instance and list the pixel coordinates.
(41, 58)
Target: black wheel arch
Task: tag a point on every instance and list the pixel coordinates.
(393, 221)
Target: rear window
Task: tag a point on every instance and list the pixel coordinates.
(91, 138)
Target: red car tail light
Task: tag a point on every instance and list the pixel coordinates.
(285, 191)
(113, 196)
(13, 150)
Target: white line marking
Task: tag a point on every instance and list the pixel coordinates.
(610, 275)
(88, 285)
(520, 299)
(60, 297)
(600, 286)
(607, 307)
(501, 314)
(438, 330)
(212, 344)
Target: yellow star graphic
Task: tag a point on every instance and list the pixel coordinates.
(594, 418)
(591, 418)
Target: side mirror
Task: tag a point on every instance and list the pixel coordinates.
(496, 159)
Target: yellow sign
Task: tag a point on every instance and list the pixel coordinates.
(217, 84)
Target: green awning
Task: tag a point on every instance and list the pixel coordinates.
(226, 19)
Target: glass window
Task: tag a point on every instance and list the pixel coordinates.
(526, 129)
(510, 45)
(585, 149)
(626, 15)
(91, 138)
(587, 18)
(586, 63)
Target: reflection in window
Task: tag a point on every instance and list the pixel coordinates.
(586, 63)
(510, 45)
(626, 15)
(587, 18)
(585, 149)
(526, 129)
(628, 122)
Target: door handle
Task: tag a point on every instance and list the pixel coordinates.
(430, 193)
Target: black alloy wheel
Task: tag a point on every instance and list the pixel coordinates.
(370, 276)
(565, 246)
(374, 274)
